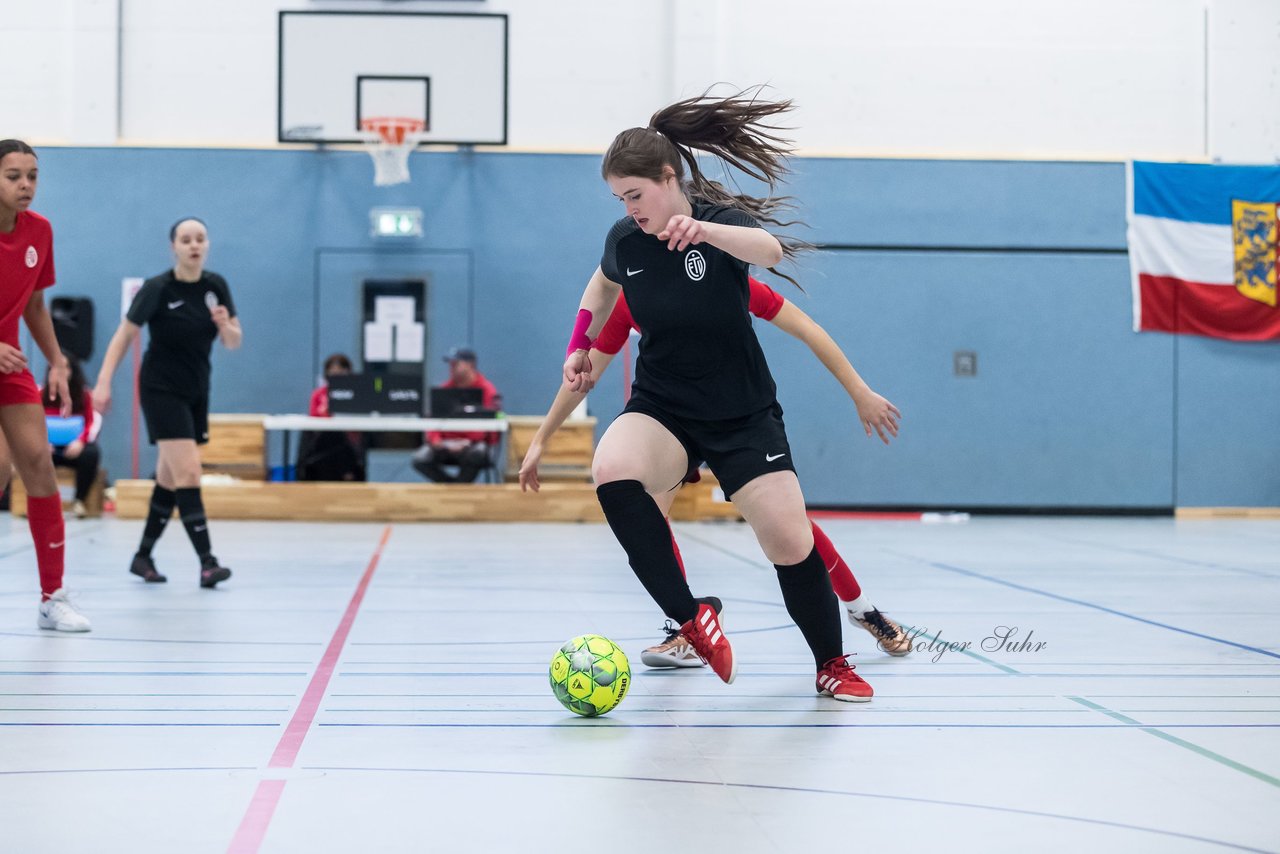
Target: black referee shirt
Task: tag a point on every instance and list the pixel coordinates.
(699, 357)
(182, 332)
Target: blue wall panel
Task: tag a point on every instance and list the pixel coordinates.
(1069, 408)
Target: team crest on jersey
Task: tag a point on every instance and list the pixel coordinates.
(33, 257)
(695, 265)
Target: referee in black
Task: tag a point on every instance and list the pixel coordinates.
(185, 308)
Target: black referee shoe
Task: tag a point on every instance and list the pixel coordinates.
(211, 573)
(145, 568)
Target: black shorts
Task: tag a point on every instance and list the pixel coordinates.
(737, 450)
(173, 416)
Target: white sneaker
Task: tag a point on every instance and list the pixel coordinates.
(79, 509)
(675, 651)
(59, 614)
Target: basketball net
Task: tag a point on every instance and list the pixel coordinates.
(389, 139)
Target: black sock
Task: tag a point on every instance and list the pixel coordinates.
(644, 535)
(191, 509)
(162, 501)
(812, 603)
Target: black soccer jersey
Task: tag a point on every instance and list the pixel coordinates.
(698, 355)
(182, 332)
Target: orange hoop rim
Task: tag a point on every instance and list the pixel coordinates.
(392, 129)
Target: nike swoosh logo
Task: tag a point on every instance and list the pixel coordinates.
(631, 272)
(176, 304)
(57, 545)
(770, 458)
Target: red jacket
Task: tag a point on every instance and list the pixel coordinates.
(489, 400)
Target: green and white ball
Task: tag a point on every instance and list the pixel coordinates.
(590, 675)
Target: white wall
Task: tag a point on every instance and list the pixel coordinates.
(999, 78)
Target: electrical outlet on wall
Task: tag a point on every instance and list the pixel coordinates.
(966, 363)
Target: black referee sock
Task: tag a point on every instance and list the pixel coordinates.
(812, 603)
(646, 538)
(191, 509)
(162, 502)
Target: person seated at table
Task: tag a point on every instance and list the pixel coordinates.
(80, 451)
(329, 455)
(470, 451)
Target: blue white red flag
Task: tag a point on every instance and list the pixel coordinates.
(1202, 249)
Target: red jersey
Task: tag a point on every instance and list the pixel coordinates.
(765, 303)
(91, 423)
(26, 266)
(319, 407)
(488, 399)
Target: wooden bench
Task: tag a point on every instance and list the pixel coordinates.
(237, 446)
(567, 456)
(66, 480)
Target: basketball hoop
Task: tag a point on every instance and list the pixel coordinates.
(389, 139)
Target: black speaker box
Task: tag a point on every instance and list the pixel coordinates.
(73, 325)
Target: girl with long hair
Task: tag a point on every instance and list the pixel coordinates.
(702, 390)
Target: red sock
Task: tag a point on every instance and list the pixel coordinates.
(676, 549)
(842, 580)
(44, 516)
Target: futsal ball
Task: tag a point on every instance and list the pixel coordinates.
(590, 675)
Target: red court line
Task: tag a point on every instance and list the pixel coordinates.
(865, 514)
(257, 818)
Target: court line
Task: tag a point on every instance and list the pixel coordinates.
(814, 791)
(167, 641)
(618, 778)
(151, 673)
(922, 725)
(1164, 557)
(1173, 739)
(1024, 588)
(489, 674)
(257, 818)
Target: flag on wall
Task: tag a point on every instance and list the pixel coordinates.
(1202, 249)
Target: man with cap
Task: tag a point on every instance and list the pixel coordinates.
(469, 451)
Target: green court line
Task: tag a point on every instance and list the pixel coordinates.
(1173, 739)
(912, 629)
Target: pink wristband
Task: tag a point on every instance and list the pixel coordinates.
(579, 340)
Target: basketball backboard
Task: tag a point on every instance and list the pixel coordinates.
(338, 69)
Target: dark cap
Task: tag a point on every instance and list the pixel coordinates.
(461, 354)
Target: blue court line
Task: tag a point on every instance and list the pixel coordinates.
(571, 723)
(720, 695)
(1151, 729)
(1164, 557)
(1172, 739)
(145, 673)
(551, 644)
(33, 772)
(131, 694)
(128, 724)
(1024, 588)
(92, 638)
(169, 709)
(662, 674)
(719, 784)
(701, 710)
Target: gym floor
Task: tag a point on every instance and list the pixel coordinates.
(369, 688)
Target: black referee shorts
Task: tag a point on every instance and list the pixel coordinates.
(737, 450)
(174, 416)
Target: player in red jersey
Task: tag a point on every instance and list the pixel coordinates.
(769, 305)
(26, 269)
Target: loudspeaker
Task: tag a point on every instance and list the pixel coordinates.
(73, 325)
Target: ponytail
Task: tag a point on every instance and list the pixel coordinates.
(735, 130)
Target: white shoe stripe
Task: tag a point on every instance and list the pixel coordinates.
(716, 638)
(707, 615)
